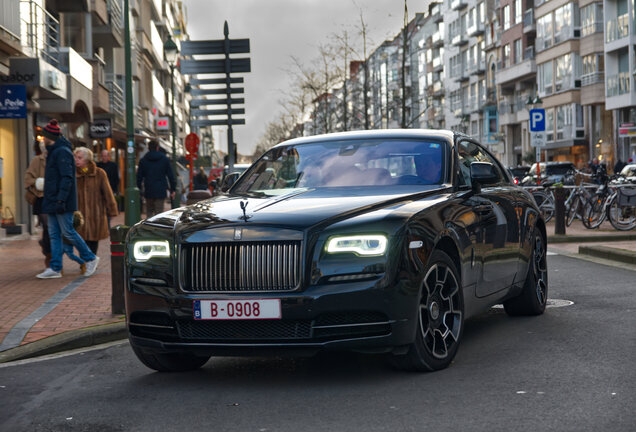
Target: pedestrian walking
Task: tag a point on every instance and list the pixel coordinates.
(67, 246)
(111, 170)
(95, 198)
(60, 201)
(153, 175)
(200, 181)
(34, 183)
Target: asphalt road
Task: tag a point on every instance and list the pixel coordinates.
(571, 369)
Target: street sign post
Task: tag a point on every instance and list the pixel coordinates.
(537, 134)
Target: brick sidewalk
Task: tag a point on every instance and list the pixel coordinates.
(22, 293)
(90, 303)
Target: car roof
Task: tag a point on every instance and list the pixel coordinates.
(374, 134)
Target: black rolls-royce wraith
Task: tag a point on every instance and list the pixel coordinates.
(375, 241)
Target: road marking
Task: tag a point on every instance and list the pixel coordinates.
(550, 253)
(19, 331)
(551, 303)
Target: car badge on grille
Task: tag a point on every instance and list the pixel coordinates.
(238, 233)
(244, 204)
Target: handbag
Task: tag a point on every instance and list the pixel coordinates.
(30, 197)
(8, 219)
(627, 197)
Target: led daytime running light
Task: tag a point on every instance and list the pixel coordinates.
(365, 245)
(144, 250)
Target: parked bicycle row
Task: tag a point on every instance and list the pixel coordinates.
(596, 198)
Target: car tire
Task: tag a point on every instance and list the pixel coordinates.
(169, 362)
(534, 295)
(440, 318)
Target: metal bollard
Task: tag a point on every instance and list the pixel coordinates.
(559, 210)
(117, 265)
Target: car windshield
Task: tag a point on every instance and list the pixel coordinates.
(347, 163)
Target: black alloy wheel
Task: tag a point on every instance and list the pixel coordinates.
(534, 295)
(440, 318)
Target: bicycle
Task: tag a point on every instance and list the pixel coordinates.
(577, 203)
(621, 209)
(545, 199)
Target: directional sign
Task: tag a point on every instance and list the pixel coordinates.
(211, 112)
(195, 103)
(237, 46)
(192, 67)
(226, 122)
(217, 91)
(537, 120)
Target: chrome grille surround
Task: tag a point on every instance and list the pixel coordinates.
(240, 266)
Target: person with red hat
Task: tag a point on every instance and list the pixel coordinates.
(60, 201)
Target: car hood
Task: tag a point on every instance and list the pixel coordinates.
(300, 209)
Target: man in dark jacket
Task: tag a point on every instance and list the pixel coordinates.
(154, 173)
(112, 172)
(60, 201)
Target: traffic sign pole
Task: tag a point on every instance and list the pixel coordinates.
(537, 132)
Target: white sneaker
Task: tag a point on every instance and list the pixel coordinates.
(49, 273)
(91, 266)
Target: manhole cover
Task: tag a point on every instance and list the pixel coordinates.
(552, 303)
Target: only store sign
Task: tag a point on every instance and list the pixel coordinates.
(13, 101)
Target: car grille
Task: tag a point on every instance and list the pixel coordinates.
(244, 330)
(245, 266)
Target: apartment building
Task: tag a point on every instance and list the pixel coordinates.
(69, 54)
(620, 65)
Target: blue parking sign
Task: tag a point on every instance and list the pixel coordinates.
(13, 101)
(537, 120)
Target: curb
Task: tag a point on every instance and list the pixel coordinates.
(589, 238)
(69, 340)
(614, 254)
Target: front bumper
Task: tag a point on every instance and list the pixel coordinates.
(366, 316)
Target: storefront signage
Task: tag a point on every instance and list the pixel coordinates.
(627, 131)
(163, 123)
(101, 128)
(13, 101)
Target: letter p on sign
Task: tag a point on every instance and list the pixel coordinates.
(537, 120)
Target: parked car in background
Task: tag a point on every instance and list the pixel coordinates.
(372, 241)
(629, 171)
(518, 173)
(551, 172)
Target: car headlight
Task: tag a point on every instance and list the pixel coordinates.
(145, 249)
(365, 245)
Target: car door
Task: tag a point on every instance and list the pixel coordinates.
(495, 207)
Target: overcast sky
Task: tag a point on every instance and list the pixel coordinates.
(278, 30)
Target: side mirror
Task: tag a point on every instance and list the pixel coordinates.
(483, 173)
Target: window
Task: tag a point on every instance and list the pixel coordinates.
(506, 17)
(544, 32)
(506, 55)
(563, 75)
(518, 51)
(592, 19)
(545, 78)
(549, 124)
(518, 12)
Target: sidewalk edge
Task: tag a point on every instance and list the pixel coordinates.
(590, 238)
(610, 253)
(69, 340)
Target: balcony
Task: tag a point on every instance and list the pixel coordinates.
(438, 89)
(110, 34)
(40, 35)
(476, 29)
(116, 97)
(101, 97)
(458, 4)
(436, 13)
(617, 28)
(592, 78)
(529, 25)
(618, 84)
(459, 39)
(508, 73)
(437, 39)
(438, 64)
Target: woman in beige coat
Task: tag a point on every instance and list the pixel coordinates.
(94, 198)
(34, 184)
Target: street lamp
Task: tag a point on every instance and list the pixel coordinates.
(171, 53)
